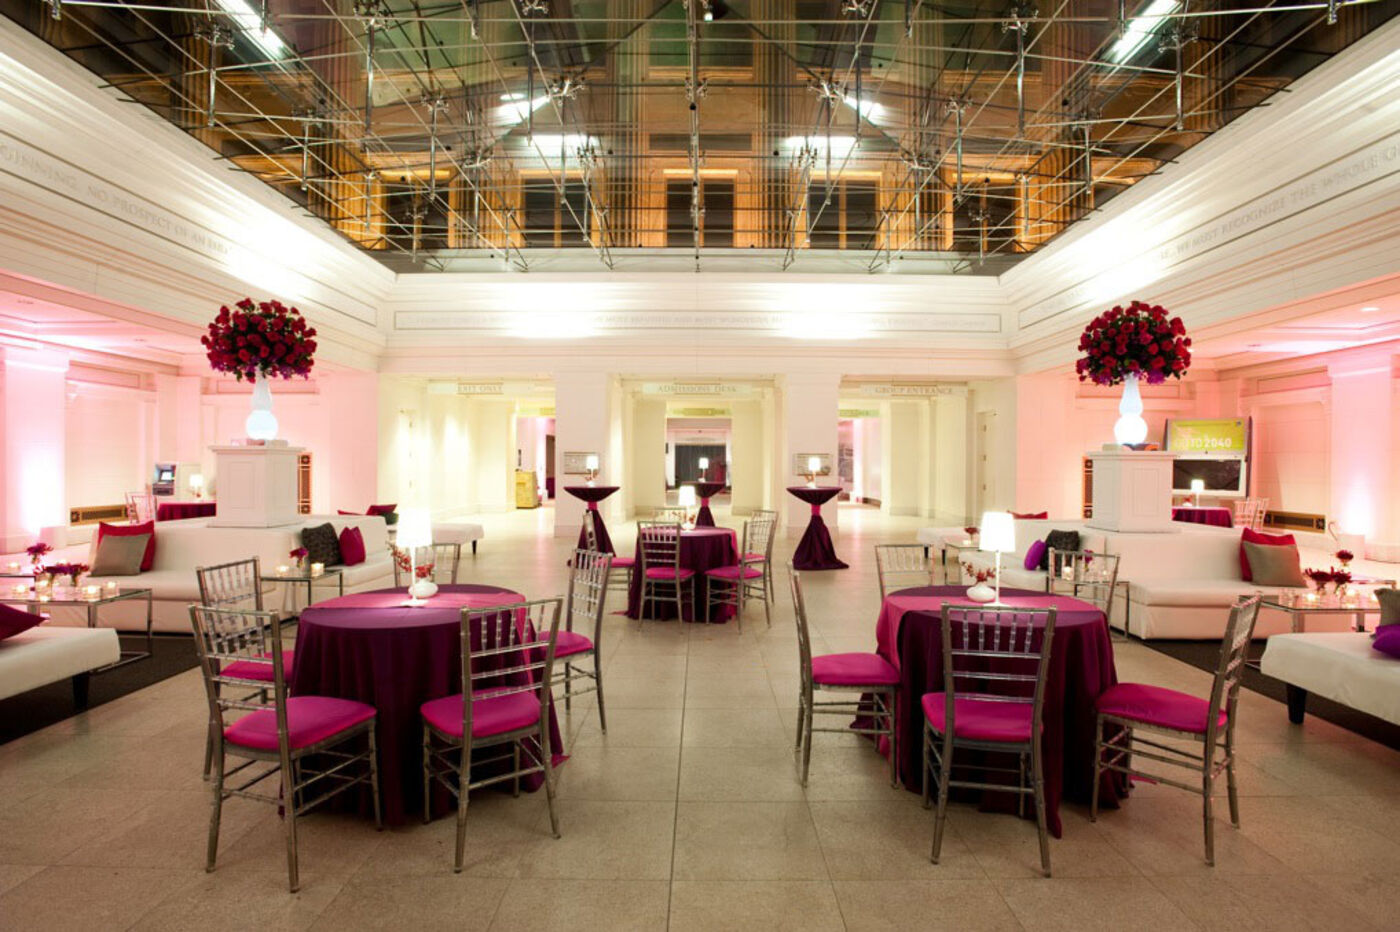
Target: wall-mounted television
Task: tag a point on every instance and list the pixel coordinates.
(1215, 451)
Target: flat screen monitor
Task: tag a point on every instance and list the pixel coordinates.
(1222, 475)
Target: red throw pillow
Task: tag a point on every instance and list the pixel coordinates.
(14, 620)
(352, 547)
(382, 509)
(128, 530)
(342, 511)
(1251, 536)
(1032, 516)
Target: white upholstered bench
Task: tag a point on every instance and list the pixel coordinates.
(457, 532)
(1341, 666)
(49, 653)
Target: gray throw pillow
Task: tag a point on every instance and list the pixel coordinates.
(120, 556)
(1390, 606)
(1273, 565)
(322, 544)
(1061, 541)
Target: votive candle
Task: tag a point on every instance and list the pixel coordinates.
(92, 592)
(317, 569)
(282, 569)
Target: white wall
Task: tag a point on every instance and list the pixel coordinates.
(108, 449)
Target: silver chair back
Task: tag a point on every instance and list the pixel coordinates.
(140, 507)
(502, 655)
(1229, 671)
(900, 566)
(998, 655)
(660, 544)
(588, 583)
(1250, 513)
(231, 585)
(759, 534)
(1083, 574)
(804, 638)
(228, 635)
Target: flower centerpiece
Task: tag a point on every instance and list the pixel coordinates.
(1125, 346)
(1344, 557)
(36, 553)
(1321, 579)
(298, 556)
(980, 591)
(405, 563)
(972, 531)
(255, 342)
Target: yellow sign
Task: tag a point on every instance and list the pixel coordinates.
(1223, 435)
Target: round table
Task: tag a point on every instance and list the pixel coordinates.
(704, 548)
(179, 511)
(815, 550)
(593, 494)
(909, 635)
(1195, 514)
(372, 648)
(704, 491)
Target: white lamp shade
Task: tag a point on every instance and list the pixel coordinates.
(415, 528)
(686, 495)
(1198, 486)
(196, 481)
(814, 464)
(704, 462)
(998, 532)
(590, 461)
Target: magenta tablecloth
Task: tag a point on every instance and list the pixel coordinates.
(705, 491)
(371, 648)
(593, 494)
(178, 511)
(1216, 517)
(704, 548)
(815, 550)
(909, 635)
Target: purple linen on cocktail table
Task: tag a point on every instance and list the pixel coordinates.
(909, 635)
(179, 511)
(593, 494)
(704, 491)
(815, 550)
(1215, 517)
(702, 549)
(371, 648)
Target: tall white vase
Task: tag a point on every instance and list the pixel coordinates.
(261, 424)
(1130, 427)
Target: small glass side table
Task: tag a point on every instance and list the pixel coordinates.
(957, 545)
(305, 577)
(1299, 605)
(37, 603)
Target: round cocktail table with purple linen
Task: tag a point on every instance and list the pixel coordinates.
(815, 550)
(909, 635)
(372, 648)
(179, 511)
(702, 549)
(1215, 517)
(704, 491)
(593, 494)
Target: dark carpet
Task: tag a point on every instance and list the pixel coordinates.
(1205, 655)
(39, 708)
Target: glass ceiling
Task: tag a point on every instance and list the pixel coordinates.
(461, 135)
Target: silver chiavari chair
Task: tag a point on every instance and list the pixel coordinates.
(669, 515)
(1250, 513)
(993, 698)
(663, 577)
(504, 706)
(300, 737)
(862, 674)
(902, 566)
(1085, 575)
(140, 507)
(436, 556)
(628, 565)
(749, 578)
(580, 653)
(771, 517)
(1130, 709)
(232, 586)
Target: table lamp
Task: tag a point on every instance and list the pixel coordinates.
(590, 463)
(998, 536)
(416, 530)
(704, 464)
(814, 466)
(1197, 487)
(197, 485)
(686, 499)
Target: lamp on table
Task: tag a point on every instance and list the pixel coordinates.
(416, 530)
(998, 536)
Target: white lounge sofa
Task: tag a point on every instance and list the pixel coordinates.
(182, 546)
(50, 653)
(1341, 666)
(1028, 531)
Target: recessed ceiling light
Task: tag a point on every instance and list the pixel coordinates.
(1369, 309)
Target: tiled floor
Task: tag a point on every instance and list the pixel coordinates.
(688, 814)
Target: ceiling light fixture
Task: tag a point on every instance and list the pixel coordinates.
(1139, 30)
(1369, 309)
(253, 27)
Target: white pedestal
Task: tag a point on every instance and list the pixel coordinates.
(1132, 491)
(257, 486)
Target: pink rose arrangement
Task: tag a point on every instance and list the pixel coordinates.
(267, 338)
(1139, 340)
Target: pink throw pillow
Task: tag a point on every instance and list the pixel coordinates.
(382, 509)
(1034, 554)
(352, 547)
(1251, 536)
(14, 620)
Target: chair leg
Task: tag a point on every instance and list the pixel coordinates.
(464, 777)
(289, 824)
(427, 775)
(209, 750)
(1233, 793)
(923, 767)
(1038, 776)
(767, 606)
(801, 715)
(546, 758)
(598, 685)
(889, 701)
(215, 813)
(945, 772)
(807, 741)
(1096, 786)
(1207, 818)
(515, 765)
(568, 686)
(374, 778)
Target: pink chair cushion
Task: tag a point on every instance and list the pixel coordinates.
(980, 719)
(491, 715)
(1156, 705)
(853, 670)
(569, 643)
(754, 558)
(732, 572)
(669, 572)
(310, 720)
(251, 670)
(624, 562)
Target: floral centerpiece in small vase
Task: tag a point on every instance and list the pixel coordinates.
(1126, 346)
(257, 341)
(421, 584)
(299, 557)
(1344, 557)
(972, 531)
(981, 589)
(71, 573)
(36, 553)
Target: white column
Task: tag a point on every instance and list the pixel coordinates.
(746, 476)
(32, 406)
(1364, 498)
(906, 456)
(810, 409)
(493, 453)
(582, 412)
(646, 451)
(952, 434)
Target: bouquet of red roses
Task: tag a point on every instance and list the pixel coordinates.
(1140, 340)
(267, 338)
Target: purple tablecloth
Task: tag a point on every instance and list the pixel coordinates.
(704, 548)
(909, 635)
(815, 550)
(178, 511)
(372, 648)
(593, 494)
(1216, 517)
(704, 491)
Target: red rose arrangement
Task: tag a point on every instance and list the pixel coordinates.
(1332, 575)
(1140, 340)
(267, 338)
(972, 530)
(979, 573)
(1344, 556)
